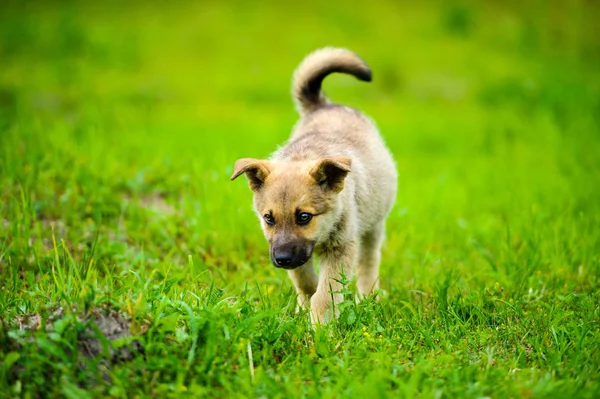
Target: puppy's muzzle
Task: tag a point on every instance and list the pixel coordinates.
(290, 255)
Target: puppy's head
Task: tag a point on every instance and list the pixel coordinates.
(297, 203)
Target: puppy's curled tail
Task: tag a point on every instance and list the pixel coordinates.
(306, 86)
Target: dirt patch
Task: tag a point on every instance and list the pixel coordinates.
(78, 237)
(100, 329)
(157, 204)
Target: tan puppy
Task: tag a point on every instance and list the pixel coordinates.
(327, 191)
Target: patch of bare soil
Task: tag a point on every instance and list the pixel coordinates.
(157, 204)
(103, 326)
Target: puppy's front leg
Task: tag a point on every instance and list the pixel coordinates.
(305, 280)
(334, 263)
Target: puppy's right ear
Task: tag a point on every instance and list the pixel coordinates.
(256, 171)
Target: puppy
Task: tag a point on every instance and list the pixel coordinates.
(327, 192)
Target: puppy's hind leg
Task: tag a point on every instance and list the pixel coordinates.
(367, 268)
(305, 281)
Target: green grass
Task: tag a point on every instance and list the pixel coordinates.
(119, 127)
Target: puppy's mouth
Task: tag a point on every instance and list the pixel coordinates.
(290, 259)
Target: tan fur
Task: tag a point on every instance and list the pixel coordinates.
(336, 167)
(319, 64)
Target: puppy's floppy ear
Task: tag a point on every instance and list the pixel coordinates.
(331, 172)
(256, 171)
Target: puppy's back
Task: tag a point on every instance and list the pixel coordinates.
(329, 130)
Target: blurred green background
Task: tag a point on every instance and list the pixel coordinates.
(120, 123)
(491, 110)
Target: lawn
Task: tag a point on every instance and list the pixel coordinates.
(130, 266)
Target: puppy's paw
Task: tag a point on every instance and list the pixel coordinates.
(318, 311)
(322, 312)
(303, 303)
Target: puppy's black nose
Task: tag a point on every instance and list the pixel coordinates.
(289, 255)
(284, 259)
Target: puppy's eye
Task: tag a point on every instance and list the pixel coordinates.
(269, 219)
(303, 218)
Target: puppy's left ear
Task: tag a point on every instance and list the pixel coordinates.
(331, 172)
(256, 171)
